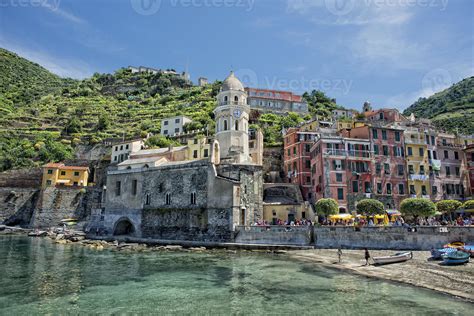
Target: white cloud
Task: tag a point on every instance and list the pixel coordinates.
(53, 7)
(72, 68)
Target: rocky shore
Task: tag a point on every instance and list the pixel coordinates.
(420, 271)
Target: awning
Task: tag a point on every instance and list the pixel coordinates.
(63, 181)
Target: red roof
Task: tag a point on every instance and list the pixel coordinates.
(62, 166)
(282, 95)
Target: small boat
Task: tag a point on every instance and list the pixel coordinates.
(456, 244)
(456, 257)
(437, 254)
(468, 249)
(398, 257)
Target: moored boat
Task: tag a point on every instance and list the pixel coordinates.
(468, 249)
(398, 257)
(437, 254)
(456, 257)
(456, 244)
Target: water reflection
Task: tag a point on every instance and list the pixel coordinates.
(46, 278)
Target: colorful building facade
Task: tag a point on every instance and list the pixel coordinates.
(58, 174)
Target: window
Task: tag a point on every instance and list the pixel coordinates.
(195, 141)
(400, 170)
(444, 141)
(389, 188)
(434, 190)
(176, 120)
(168, 199)
(422, 169)
(429, 154)
(446, 154)
(193, 198)
(63, 173)
(294, 151)
(226, 98)
(126, 146)
(307, 148)
(121, 147)
(338, 177)
(457, 171)
(118, 185)
(115, 158)
(225, 125)
(379, 188)
(367, 188)
(378, 168)
(289, 152)
(75, 183)
(236, 99)
(423, 190)
(386, 168)
(50, 171)
(410, 151)
(385, 150)
(432, 140)
(165, 123)
(355, 186)
(147, 199)
(421, 152)
(49, 182)
(195, 154)
(165, 132)
(236, 125)
(435, 155)
(375, 133)
(307, 163)
(412, 189)
(134, 187)
(206, 152)
(456, 155)
(340, 194)
(76, 173)
(176, 130)
(384, 134)
(448, 171)
(410, 169)
(376, 149)
(116, 148)
(397, 136)
(401, 189)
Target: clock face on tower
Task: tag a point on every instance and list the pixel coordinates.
(237, 113)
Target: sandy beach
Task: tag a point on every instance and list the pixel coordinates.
(454, 280)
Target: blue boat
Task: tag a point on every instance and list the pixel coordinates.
(456, 257)
(437, 254)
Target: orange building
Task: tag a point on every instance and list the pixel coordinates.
(60, 174)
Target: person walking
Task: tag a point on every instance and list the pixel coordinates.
(367, 257)
(339, 254)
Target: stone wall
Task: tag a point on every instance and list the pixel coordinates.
(24, 178)
(273, 164)
(186, 224)
(275, 235)
(390, 237)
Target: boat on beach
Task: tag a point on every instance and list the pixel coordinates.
(468, 249)
(398, 257)
(455, 258)
(437, 254)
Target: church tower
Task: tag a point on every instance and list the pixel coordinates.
(232, 121)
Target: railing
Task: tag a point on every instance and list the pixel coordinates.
(222, 103)
(348, 153)
(274, 228)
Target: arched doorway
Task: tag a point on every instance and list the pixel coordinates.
(124, 227)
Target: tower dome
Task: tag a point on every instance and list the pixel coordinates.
(232, 83)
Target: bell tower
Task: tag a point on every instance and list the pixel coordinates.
(232, 121)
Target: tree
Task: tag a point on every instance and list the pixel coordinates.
(448, 206)
(417, 207)
(326, 207)
(159, 141)
(468, 205)
(370, 207)
(73, 126)
(104, 122)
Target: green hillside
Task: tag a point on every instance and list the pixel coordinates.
(44, 117)
(451, 109)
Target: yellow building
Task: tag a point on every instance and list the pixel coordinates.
(198, 148)
(59, 174)
(416, 153)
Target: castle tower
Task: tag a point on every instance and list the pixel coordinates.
(367, 107)
(232, 121)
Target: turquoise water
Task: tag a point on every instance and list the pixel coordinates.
(39, 277)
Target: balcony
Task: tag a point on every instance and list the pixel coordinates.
(223, 103)
(418, 177)
(348, 153)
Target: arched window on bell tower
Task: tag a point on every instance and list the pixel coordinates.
(225, 99)
(236, 99)
(225, 125)
(236, 125)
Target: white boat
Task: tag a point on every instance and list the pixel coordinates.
(398, 257)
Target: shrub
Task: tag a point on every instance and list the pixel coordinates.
(417, 207)
(326, 207)
(448, 206)
(468, 205)
(370, 207)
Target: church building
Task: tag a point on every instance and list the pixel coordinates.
(200, 199)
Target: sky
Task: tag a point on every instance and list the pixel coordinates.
(388, 52)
